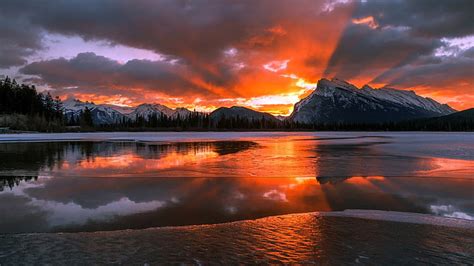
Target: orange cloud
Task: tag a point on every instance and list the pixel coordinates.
(369, 21)
(265, 55)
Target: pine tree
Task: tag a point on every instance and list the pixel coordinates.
(86, 118)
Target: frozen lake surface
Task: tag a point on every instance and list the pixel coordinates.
(76, 182)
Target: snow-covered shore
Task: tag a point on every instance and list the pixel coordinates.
(402, 217)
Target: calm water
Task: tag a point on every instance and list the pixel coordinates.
(120, 184)
(82, 183)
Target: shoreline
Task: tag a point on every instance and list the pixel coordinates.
(359, 214)
(182, 135)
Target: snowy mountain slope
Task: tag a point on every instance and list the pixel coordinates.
(338, 101)
(125, 110)
(182, 112)
(101, 114)
(147, 110)
(407, 98)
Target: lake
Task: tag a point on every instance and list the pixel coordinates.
(114, 181)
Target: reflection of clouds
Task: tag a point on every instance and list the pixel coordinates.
(231, 209)
(275, 195)
(174, 200)
(301, 180)
(72, 213)
(113, 158)
(447, 167)
(449, 211)
(137, 164)
(120, 159)
(239, 195)
(147, 202)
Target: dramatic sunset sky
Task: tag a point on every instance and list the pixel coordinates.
(264, 54)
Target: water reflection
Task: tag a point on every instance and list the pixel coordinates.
(11, 181)
(88, 186)
(107, 159)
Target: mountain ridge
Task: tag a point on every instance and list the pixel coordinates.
(337, 101)
(333, 101)
(242, 112)
(103, 114)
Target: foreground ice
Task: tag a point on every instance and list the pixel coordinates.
(309, 238)
(403, 217)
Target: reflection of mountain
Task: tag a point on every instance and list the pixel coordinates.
(337, 161)
(152, 150)
(230, 147)
(331, 179)
(69, 158)
(30, 157)
(11, 181)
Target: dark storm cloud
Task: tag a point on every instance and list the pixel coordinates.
(189, 29)
(84, 69)
(457, 72)
(196, 33)
(392, 35)
(363, 48)
(199, 31)
(422, 17)
(18, 40)
(349, 40)
(89, 70)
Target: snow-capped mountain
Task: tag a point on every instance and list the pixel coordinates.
(182, 112)
(339, 101)
(147, 110)
(332, 101)
(125, 110)
(101, 114)
(242, 112)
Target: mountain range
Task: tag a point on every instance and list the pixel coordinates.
(103, 114)
(333, 101)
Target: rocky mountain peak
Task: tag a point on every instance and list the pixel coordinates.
(336, 100)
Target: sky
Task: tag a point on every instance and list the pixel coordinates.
(262, 54)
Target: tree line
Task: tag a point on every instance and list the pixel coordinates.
(23, 108)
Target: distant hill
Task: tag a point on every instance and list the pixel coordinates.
(337, 101)
(242, 112)
(466, 115)
(459, 121)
